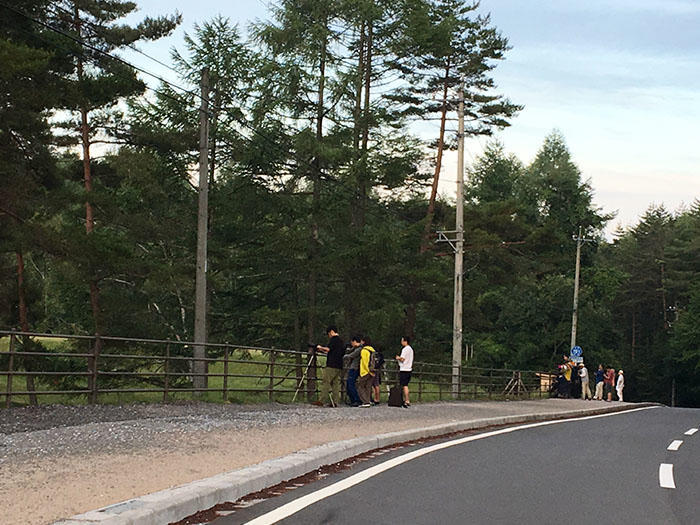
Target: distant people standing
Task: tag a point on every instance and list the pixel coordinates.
(405, 369)
(599, 374)
(575, 381)
(585, 386)
(566, 383)
(364, 383)
(377, 380)
(620, 384)
(353, 360)
(334, 368)
(608, 383)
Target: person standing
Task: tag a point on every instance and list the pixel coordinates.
(353, 359)
(585, 386)
(334, 368)
(575, 381)
(608, 383)
(405, 369)
(364, 383)
(377, 380)
(620, 384)
(599, 383)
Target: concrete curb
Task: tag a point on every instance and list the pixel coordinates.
(166, 506)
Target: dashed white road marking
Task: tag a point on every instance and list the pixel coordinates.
(666, 476)
(296, 505)
(675, 444)
(691, 431)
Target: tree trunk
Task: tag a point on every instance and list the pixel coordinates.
(24, 324)
(425, 244)
(413, 295)
(89, 216)
(363, 182)
(315, 211)
(356, 216)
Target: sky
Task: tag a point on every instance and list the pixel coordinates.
(620, 79)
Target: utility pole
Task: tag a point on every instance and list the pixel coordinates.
(200, 311)
(459, 255)
(574, 316)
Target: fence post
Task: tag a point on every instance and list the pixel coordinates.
(166, 369)
(225, 392)
(93, 369)
(462, 378)
(490, 382)
(8, 398)
(272, 376)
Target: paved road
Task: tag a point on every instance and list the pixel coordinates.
(601, 469)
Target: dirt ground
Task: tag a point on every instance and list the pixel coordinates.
(41, 488)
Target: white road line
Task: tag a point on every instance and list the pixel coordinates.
(691, 431)
(666, 476)
(295, 506)
(675, 444)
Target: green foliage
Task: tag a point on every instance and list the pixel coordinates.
(317, 197)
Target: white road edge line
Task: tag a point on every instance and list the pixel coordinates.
(295, 506)
(691, 431)
(675, 444)
(666, 476)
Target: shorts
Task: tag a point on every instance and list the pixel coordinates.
(404, 378)
(607, 389)
(377, 380)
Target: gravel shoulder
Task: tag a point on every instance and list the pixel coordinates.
(58, 461)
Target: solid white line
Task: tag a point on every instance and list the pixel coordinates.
(691, 431)
(666, 476)
(301, 503)
(675, 444)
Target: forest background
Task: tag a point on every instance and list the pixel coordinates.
(322, 200)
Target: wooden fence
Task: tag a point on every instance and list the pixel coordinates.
(75, 368)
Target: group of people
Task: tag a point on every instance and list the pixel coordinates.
(573, 381)
(364, 364)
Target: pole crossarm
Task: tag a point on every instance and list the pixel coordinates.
(448, 236)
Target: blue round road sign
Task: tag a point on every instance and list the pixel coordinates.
(576, 351)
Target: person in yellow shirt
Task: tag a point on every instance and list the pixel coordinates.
(364, 383)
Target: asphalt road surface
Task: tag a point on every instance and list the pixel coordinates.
(627, 467)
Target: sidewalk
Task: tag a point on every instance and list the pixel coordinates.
(52, 467)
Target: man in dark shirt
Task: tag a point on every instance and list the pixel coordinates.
(334, 368)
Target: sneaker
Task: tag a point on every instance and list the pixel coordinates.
(365, 405)
(406, 405)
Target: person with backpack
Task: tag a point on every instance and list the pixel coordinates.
(352, 358)
(599, 383)
(368, 366)
(377, 381)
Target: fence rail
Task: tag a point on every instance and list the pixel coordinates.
(98, 368)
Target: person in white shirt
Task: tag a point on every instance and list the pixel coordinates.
(405, 368)
(585, 386)
(620, 384)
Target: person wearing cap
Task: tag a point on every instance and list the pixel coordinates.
(585, 386)
(620, 384)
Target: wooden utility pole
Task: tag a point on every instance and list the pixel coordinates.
(574, 315)
(459, 255)
(199, 368)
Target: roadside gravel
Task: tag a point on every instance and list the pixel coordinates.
(57, 461)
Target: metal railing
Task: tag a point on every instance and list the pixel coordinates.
(98, 368)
